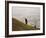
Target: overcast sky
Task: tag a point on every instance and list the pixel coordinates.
(25, 11)
(22, 12)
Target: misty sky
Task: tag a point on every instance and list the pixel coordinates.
(22, 12)
(25, 11)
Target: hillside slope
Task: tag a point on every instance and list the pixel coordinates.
(17, 25)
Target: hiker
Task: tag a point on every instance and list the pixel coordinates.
(26, 20)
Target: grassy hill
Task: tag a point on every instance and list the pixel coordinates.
(17, 25)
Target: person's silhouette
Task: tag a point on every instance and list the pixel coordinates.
(26, 20)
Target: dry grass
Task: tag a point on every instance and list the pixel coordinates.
(17, 25)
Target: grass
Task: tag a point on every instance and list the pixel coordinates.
(17, 25)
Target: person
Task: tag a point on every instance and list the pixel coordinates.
(26, 20)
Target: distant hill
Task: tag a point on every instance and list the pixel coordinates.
(18, 25)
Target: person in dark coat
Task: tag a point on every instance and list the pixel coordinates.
(26, 20)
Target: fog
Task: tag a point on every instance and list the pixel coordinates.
(31, 13)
